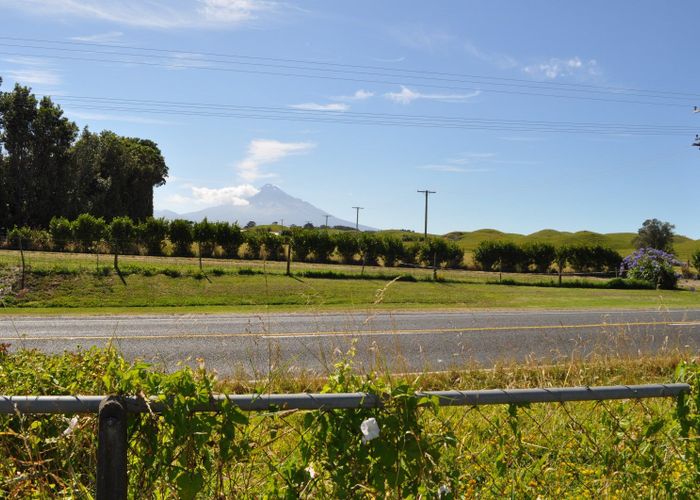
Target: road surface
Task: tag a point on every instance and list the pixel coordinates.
(401, 341)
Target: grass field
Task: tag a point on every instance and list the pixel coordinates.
(69, 283)
(609, 449)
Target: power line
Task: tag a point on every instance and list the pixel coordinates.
(430, 73)
(356, 118)
(199, 67)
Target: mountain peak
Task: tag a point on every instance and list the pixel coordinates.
(270, 187)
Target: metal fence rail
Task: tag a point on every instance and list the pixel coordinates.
(311, 401)
(112, 411)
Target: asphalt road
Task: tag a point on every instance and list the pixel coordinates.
(401, 341)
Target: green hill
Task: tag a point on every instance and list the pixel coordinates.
(622, 242)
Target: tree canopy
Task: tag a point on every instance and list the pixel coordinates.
(47, 169)
(655, 234)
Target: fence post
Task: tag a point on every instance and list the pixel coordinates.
(111, 450)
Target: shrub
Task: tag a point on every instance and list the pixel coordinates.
(348, 246)
(152, 232)
(486, 255)
(229, 237)
(323, 245)
(253, 243)
(302, 241)
(653, 266)
(695, 260)
(88, 231)
(273, 245)
(121, 234)
(61, 232)
(441, 252)
(392, 250)
(540, 255)
(370, 248)
(181, 236)
(171, 273)
(204, 233)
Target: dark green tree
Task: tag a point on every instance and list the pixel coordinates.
(392, 250)
(229, 238)
(273, 245)
(152, 233)
(89, 230)
(540, 255)
(61, 232)
(441, 252)
(181, 236)
(348, 245)
(655, 234)
(121, 239)
(322, 244)
(253, 244)
(205, 236)
(18, 110)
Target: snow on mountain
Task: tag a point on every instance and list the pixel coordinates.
(269, 205)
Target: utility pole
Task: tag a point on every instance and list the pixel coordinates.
(326, 216)
(357, 217)
(696, 142)
(425, 231)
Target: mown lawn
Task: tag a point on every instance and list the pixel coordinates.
(85, 291)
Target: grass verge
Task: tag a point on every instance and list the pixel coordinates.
(618, 449)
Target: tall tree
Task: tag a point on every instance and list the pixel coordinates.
(17, 113)
(655, 234)
(50, 169)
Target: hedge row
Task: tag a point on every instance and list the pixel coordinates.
(541, 257)
(221, 239)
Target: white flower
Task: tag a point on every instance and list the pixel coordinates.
(71, 426)
(443, 490)
(370, 430)
(311, 471)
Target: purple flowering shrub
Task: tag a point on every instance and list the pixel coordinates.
(652, 265)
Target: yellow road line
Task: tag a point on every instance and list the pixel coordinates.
(369, 333)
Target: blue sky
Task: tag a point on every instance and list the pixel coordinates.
(501, 62)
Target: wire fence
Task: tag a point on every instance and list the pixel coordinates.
(616, 441)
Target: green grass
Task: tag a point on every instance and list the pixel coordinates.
(60, 282)
(610, 449)
(622, 242)
(87, 292)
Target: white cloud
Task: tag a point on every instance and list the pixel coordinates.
(312, 106)
(110, 36)
(556, 68)
(407, 96)
(35, 76)
(160, 14)
(390, 59)
(501, 61)
(201, 197)
(417, 37)
(230, 195)
(359, 95)
(453, 168)
(109, 117)
(234, 11)
(265, 151)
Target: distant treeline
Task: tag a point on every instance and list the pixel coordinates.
(183, 238)
(48, 169)
(540, 257)
(178, 237)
